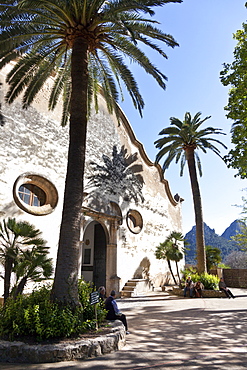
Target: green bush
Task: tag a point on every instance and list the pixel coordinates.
(209, 281)
(37, 317)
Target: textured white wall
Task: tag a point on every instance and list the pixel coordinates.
(32, 140)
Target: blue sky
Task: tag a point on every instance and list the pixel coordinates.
(203, 29)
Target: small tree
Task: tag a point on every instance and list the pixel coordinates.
(17, 241)
(31, 264)
(213, 256)
(176, 251)
(170, 250)
(162, 253)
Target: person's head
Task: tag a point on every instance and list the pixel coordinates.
(113, 293)
(221, 279)
(101, 290)
(189, 277)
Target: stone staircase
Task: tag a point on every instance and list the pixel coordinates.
(136, 287)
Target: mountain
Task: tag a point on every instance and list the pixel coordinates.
(232, 230)
(223, 242)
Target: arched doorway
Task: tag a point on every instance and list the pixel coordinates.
(94, 254)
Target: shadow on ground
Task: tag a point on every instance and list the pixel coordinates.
(174, 334)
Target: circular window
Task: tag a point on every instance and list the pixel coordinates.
(134, 221)
(35, 194)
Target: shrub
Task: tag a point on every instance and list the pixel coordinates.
(37, 317)
(209, 281)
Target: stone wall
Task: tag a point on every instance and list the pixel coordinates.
(235, 278)
(205, 293)
(65, 351)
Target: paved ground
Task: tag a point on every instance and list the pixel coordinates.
(170, 332)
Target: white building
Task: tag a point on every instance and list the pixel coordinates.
(128, 207)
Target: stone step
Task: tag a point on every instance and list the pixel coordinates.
(136, 280)
(134, 287)
(129, 288)
(127, 294)
(130, 283)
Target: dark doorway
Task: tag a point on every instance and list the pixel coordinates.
(99, 263)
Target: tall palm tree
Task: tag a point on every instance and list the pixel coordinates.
(15, 239)
(82, 43)
(180, 142)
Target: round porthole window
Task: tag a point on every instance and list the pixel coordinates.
(35, 194)
(134, 221)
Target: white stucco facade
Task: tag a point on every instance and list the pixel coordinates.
(128, 207)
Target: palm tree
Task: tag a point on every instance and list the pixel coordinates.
(31, 264)
(162, 252)
(213, 256)
(170, 250)
(16, 238)
(82, 43)
(176, 252)
(180, 142)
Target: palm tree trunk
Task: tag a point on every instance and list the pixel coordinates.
(200, 243)
(7, 276)
(179, 280)
(65, 287)
(20, 287)
(170, 268)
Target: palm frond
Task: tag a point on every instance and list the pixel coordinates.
(182, 164)
(186, 136)
(198, 162)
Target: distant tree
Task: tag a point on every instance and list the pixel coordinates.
(234, 75)
(171, 250)
(241, 237)
(213, 256)
(237, 260)
(16, 238)
(180, 142)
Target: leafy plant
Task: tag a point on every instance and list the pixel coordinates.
(209, 281)
(35, 316)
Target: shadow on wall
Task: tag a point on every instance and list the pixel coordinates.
(1, 116)
(142, 271)
(159, 280)
(119, 176)
(162, 279)
(10, 210)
